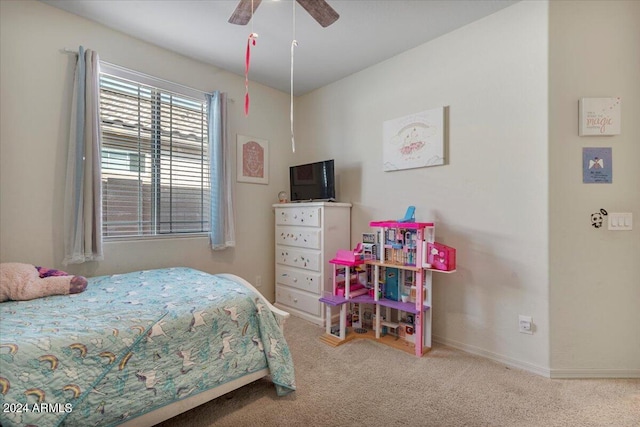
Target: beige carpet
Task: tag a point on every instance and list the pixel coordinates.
(364, 383)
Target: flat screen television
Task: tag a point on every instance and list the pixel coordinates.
(312, 181)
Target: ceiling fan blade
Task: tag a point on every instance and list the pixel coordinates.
(320, 11)
(242, 14)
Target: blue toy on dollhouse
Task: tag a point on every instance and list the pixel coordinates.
(396, 281)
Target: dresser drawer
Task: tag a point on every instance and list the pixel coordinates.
(298, 300)
(302, 237)
(307, 216)
(305, 280)
(309, 260)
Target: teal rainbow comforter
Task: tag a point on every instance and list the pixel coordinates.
(130, 344)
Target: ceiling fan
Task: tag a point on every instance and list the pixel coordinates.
(318, 9)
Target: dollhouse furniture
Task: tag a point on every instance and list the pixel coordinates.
(441, 257)
(306, 237)
(410, 215)
(346, 285)
(401, 292)
(369, 245)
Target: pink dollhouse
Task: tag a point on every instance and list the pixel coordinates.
(407, 257)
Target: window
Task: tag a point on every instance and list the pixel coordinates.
(155, 164)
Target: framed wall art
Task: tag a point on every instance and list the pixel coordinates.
(414, 141)
(252, 160)
(599, 116)
(597, 166)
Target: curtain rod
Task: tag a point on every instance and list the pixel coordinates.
(75, 52)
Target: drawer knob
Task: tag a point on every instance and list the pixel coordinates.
(295, 280)
(295, 300)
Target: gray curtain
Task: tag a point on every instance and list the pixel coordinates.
(222, 232)
(83, 194)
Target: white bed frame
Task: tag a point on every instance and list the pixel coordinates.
(151, 418)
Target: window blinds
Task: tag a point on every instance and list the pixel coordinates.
(155, 167)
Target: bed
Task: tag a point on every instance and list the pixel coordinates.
(137, 348)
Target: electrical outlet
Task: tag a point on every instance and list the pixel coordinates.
(525, 324)
(258, 282)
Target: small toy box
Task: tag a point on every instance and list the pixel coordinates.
(441, 257)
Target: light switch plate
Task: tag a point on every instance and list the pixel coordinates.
(620, 221)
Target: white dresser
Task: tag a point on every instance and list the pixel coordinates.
(307, 236)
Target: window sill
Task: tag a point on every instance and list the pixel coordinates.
(155, 237)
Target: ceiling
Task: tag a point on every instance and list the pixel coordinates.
(367, 32)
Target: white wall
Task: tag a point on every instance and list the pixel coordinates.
(595, 273)
(36, 84)
(490, 201)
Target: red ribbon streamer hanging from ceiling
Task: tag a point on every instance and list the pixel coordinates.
(250, 41)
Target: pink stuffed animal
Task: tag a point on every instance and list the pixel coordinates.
(21, 282)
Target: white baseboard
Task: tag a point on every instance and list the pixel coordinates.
(595, 373)
(545, 372)
(539, 370)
